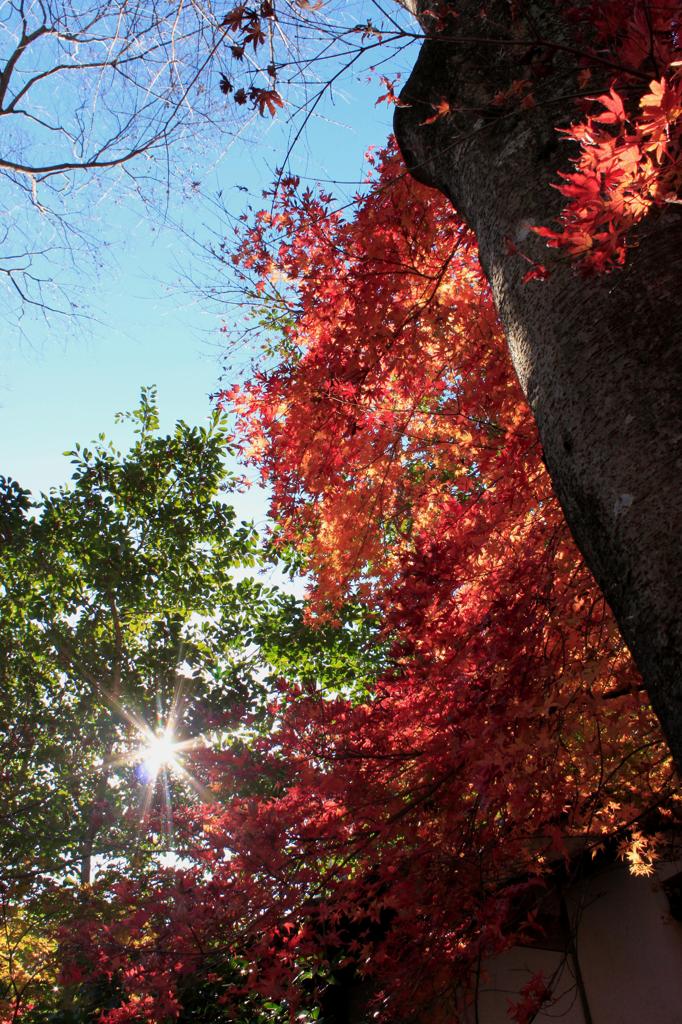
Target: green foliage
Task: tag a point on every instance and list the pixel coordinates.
(117, 591)
(126, 596)
(340, 657)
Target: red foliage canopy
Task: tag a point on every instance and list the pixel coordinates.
(397, 834)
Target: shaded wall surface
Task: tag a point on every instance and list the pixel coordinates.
(614, 957)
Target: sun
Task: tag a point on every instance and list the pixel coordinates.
(159, 754)
(159, 758)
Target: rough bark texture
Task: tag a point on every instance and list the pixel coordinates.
(598, 359)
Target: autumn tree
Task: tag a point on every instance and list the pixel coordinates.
(546, 124)
(494, 87)
(394, 839)
(503, 100)
(397, 833)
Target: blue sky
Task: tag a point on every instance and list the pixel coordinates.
(62, 383)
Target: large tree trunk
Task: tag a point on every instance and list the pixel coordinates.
(599, 359)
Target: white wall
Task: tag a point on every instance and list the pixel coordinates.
(629, 951)
(629, 947)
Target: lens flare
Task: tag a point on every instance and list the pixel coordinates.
(158, 754)
(161, 757)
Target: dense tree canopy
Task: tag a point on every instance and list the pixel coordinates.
(128, 616)
(497, 92)
(387, 807)
(409, 834)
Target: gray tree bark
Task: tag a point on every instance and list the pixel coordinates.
(598, 359)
